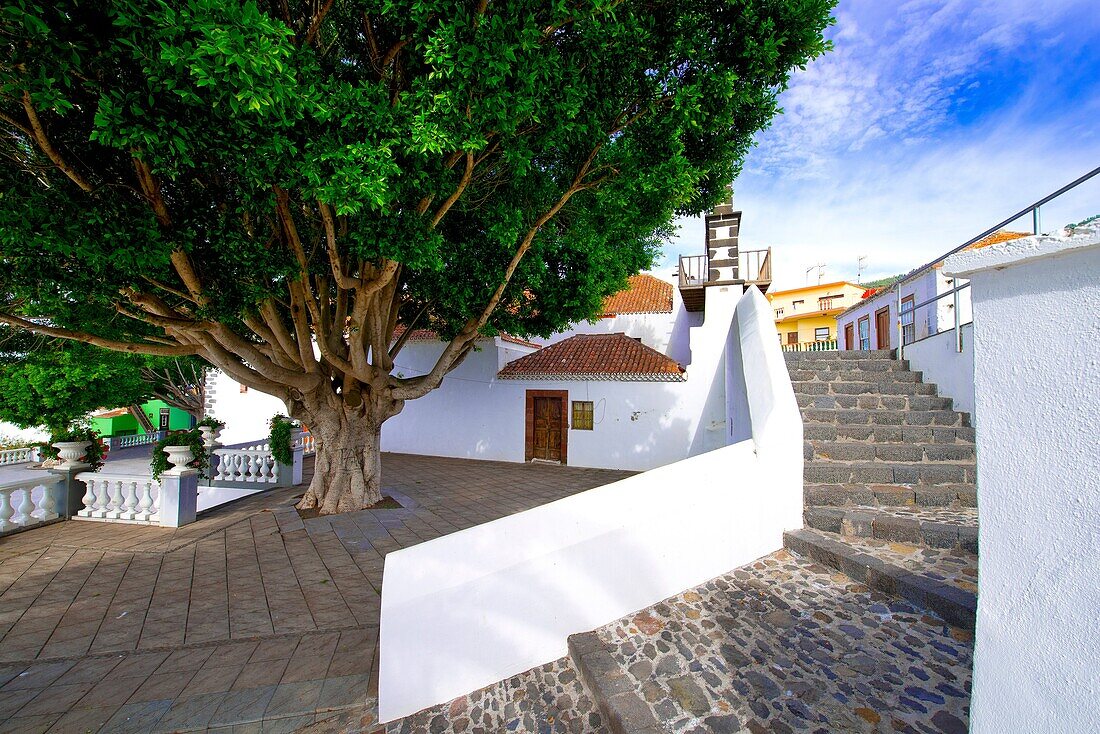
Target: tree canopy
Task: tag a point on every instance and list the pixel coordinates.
(241, 180)
(55, 383)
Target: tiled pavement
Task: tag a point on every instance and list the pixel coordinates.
(250, 618)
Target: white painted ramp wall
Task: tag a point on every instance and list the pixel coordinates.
(469, 609)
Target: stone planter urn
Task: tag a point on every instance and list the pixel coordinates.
(72, 452)
(210, 437)
(179, 457)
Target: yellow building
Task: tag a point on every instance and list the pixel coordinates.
(805, 318)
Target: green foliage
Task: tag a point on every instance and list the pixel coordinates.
(79, 432)
(212, 422)
(281, 429)
(191, 438)
(55, 383)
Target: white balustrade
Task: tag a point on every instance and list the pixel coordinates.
(28, 502)
(138, 439)
(120, 498)
(249, 466)
(23, 455)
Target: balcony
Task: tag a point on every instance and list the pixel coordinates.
(698, 272)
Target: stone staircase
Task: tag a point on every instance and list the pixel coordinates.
(863, 622)
(890, 480)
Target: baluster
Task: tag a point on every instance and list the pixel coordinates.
(49, 502)
(253, 468)
(238, 468)
(273, 467)
(89, 496)
(154, 510)
(128, 509)
(5, 510)
(24, 509)
(145, 502)
(112, 499)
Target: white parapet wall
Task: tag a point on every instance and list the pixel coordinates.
(1037, 375)
(472, 608)
(952, 371)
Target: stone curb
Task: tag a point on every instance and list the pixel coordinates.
(868, 523)
(957, 606)
(626, 712)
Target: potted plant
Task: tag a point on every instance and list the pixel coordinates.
(281, 438)
(180, 448)
(78, 443)
(210, 428)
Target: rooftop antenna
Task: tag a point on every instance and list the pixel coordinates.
(820, 272)
(861, 262)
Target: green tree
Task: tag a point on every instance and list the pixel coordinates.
(54, 383)
(274, 186)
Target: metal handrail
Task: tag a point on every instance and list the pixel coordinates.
(1033, 209)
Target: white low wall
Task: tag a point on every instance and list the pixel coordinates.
(469, 609)
(953, 372)
(1037, 352)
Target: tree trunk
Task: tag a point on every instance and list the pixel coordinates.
(348, 471)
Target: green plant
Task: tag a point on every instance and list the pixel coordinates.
(192, 439)
(78, 432)
(212, 422)
(281, 429)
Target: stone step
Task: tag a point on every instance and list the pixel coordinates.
(875, 402)
(892, 452)
(859, 416)
(880, 366)
(891, 495)
(942, 581)
(863, 387)
(933, 528)
(822, 471)
(839, 355)
(850, 375)
(782, 644)
(888, 434)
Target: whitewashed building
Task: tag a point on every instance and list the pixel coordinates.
(873, 322)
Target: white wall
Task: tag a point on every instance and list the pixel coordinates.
(953, 372)
(1037, 376)
(471, 608)
(246, 414)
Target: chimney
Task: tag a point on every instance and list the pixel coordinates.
(723, 225)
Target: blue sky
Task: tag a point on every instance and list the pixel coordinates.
(929, 122)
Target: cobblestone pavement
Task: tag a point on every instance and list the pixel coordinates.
(954, 566)
(249, 615)
(548, 699)
(784, 645)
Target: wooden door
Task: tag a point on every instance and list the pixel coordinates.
(882, 328)
(547, 443)
(849, 337)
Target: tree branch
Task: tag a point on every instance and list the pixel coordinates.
(157, 350)
(39, 134)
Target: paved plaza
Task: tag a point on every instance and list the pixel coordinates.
(250, 618)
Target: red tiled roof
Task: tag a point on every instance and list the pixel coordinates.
(595, 357)
(428, 335)
(517, 340)
(645, 294)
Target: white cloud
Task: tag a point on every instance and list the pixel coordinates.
(871, 158)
